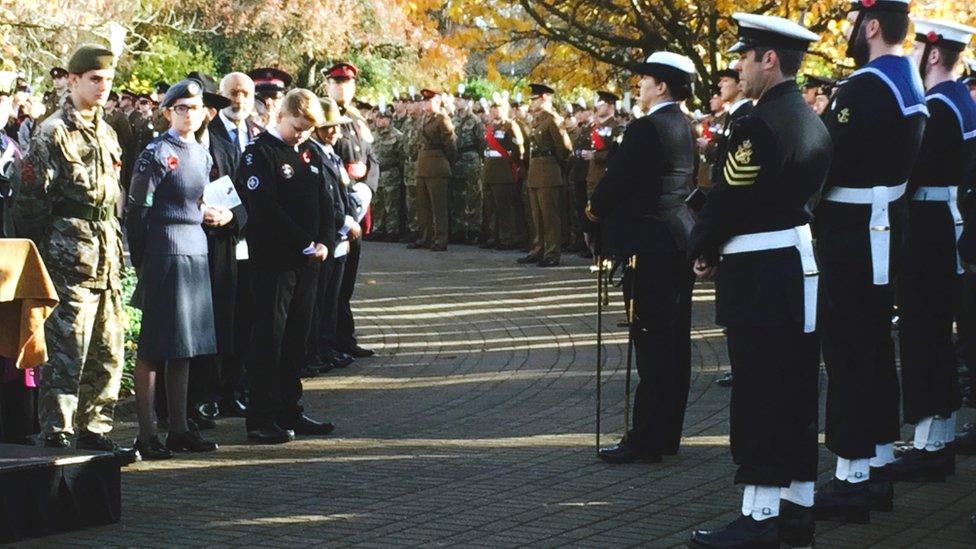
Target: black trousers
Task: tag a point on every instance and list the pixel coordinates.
(965, 312)
(18, 415)
(322, 336)
(283, 304)
(346, 325)
(774, 409)
(661, 286)
(929, 381)
(233, 368)
(862, 383)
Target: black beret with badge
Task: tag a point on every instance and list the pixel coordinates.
(184, 89)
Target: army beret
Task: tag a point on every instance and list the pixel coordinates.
(58, 72)
(184, 89)
(90, 57)
(342, 71)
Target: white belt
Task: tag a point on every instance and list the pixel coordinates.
(949, 195)
(879, 228)
(492, 153)
(797, 237)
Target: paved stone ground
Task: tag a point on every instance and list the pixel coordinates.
(474, 426)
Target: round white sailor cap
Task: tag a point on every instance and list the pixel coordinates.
(945, 34)
(667, 65)
(772, 32)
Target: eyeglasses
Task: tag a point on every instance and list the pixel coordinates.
(184, 109)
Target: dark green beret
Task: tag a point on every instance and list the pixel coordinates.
(90, 57)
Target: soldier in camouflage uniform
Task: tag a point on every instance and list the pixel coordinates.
(388, 202)
(466, 195)
(70, 185)
(411, 150)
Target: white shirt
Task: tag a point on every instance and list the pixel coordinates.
(735, 106)
(659, 106)
(231, 126)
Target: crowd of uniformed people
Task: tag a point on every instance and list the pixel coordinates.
(826, 213)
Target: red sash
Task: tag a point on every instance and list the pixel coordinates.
(597, 139)
(497, 147)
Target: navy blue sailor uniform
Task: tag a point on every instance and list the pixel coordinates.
(737, 111)
(285, 203)
(876, 121)
(640, 209)
(754, 226)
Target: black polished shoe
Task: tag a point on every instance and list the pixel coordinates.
(417, 245)
(101, 443)
(549, 262)
(57, 440)
(725, 380)
(744, 532)
(528, 259)
(438, 248)
(307, 426)
(972, 523)
(339, 359)
(843, 501)
(190, 441)
(270, 434)
(881, 492)
(965, 443)
(625, 453)
(202, 418)
(308, 371)
(358, 352)
(796, 524)
(152, 449)
(232, 407)
(922, 466)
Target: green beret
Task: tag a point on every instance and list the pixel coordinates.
(90, 57)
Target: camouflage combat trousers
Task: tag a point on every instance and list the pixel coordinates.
(83, 374)
(466, 199)
(387, 209)
(410, 188)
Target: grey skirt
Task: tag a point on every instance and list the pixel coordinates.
(173, 293)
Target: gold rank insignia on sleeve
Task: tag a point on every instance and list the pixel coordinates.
(844, 116)
(589, 213)
(738, 172)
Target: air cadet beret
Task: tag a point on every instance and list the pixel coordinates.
(607, 97)
(428, 94)
(332, 115)
(768, 31)
(211, 96)
(90, 57)
(269, 79)
(184, 89)
(58, 72)
(342, 71)
(536, 90)
(943, 34)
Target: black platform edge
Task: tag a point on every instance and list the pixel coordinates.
(45, 491)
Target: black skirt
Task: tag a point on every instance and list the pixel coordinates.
(174, 295)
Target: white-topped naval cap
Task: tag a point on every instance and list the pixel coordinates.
(948, 34)
(770, 31)
(673, 60)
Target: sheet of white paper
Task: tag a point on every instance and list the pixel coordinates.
(341, 249)
(221, 192)
(241, 251)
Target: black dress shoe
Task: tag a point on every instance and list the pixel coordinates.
(920, 465)
(972, 523)
(308, 371)
(743, 532)
(202, 419)
(881, 492)
(965, 443)
(270, 434)
(843, 501)
(190, 441)
(725, 380)
(417, 246)
(796, 524)
(358, 352)
(625, 453)
(57, 440)
(338, 359)
(101, 443)
(232, 407)
(549, 262)
(152, 449)
(527, 259)
(309, 427)
(209, 409)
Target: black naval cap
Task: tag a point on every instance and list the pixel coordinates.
(161, 87)
(184, 89)
(270, 79)
(59, 72)
(768, 31)
(211, 96)
(91, 57)
(535, 90)
(608, 97)
(814, 81)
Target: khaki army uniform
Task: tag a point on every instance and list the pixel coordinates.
(578, 168)
(500, 176)
(143, 130)
(523, 214)
(466, 195)
(388, 202)
(604, 138)
(550, 146)
(70, 186)
(438, 149)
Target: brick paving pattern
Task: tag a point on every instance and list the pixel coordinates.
(474, 426)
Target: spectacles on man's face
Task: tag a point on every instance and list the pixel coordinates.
(184, 109)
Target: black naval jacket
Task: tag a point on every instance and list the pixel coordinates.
(778, 160)
(286, 201)
(639, 202)
(722, 139)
